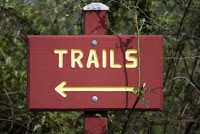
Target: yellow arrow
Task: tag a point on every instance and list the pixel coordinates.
(60, 88)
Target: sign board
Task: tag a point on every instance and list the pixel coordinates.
(93, 72)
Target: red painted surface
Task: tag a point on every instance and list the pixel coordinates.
(44, 74)
(95, 124)
(95, 22)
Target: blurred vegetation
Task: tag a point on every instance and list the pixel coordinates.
(177, 20)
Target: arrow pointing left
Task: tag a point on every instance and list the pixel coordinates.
(60, 89)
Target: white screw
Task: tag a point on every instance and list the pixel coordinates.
(94, 42)
(94, 98)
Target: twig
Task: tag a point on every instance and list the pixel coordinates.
(2, 53)
(180, 58)
(183, 112)
(132, 109)
(13, 121)
(192, 84)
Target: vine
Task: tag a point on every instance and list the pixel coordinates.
(140, 89)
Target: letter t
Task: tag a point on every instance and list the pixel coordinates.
(60, 53)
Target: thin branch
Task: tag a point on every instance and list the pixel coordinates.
(183, 112)
(183, 18)
(154, 22)
(132, 109)
(180, 58)
(13, 121)
(196, 120)
(2, 53)
(192, 84)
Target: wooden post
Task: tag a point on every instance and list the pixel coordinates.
(95, 23)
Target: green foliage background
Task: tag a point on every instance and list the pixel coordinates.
(177, 20)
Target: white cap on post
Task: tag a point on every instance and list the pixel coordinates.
(95, 6)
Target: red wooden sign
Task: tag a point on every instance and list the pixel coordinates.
(94, 72)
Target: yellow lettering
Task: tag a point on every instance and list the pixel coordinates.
(60, 53)
(77, 56)
(112, 60)
(93, 59)
(132, 59)
(104, 59)
(76, 59)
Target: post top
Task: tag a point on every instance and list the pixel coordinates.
(95, 6)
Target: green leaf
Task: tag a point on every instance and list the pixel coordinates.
(43, 119)
(36, 127)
